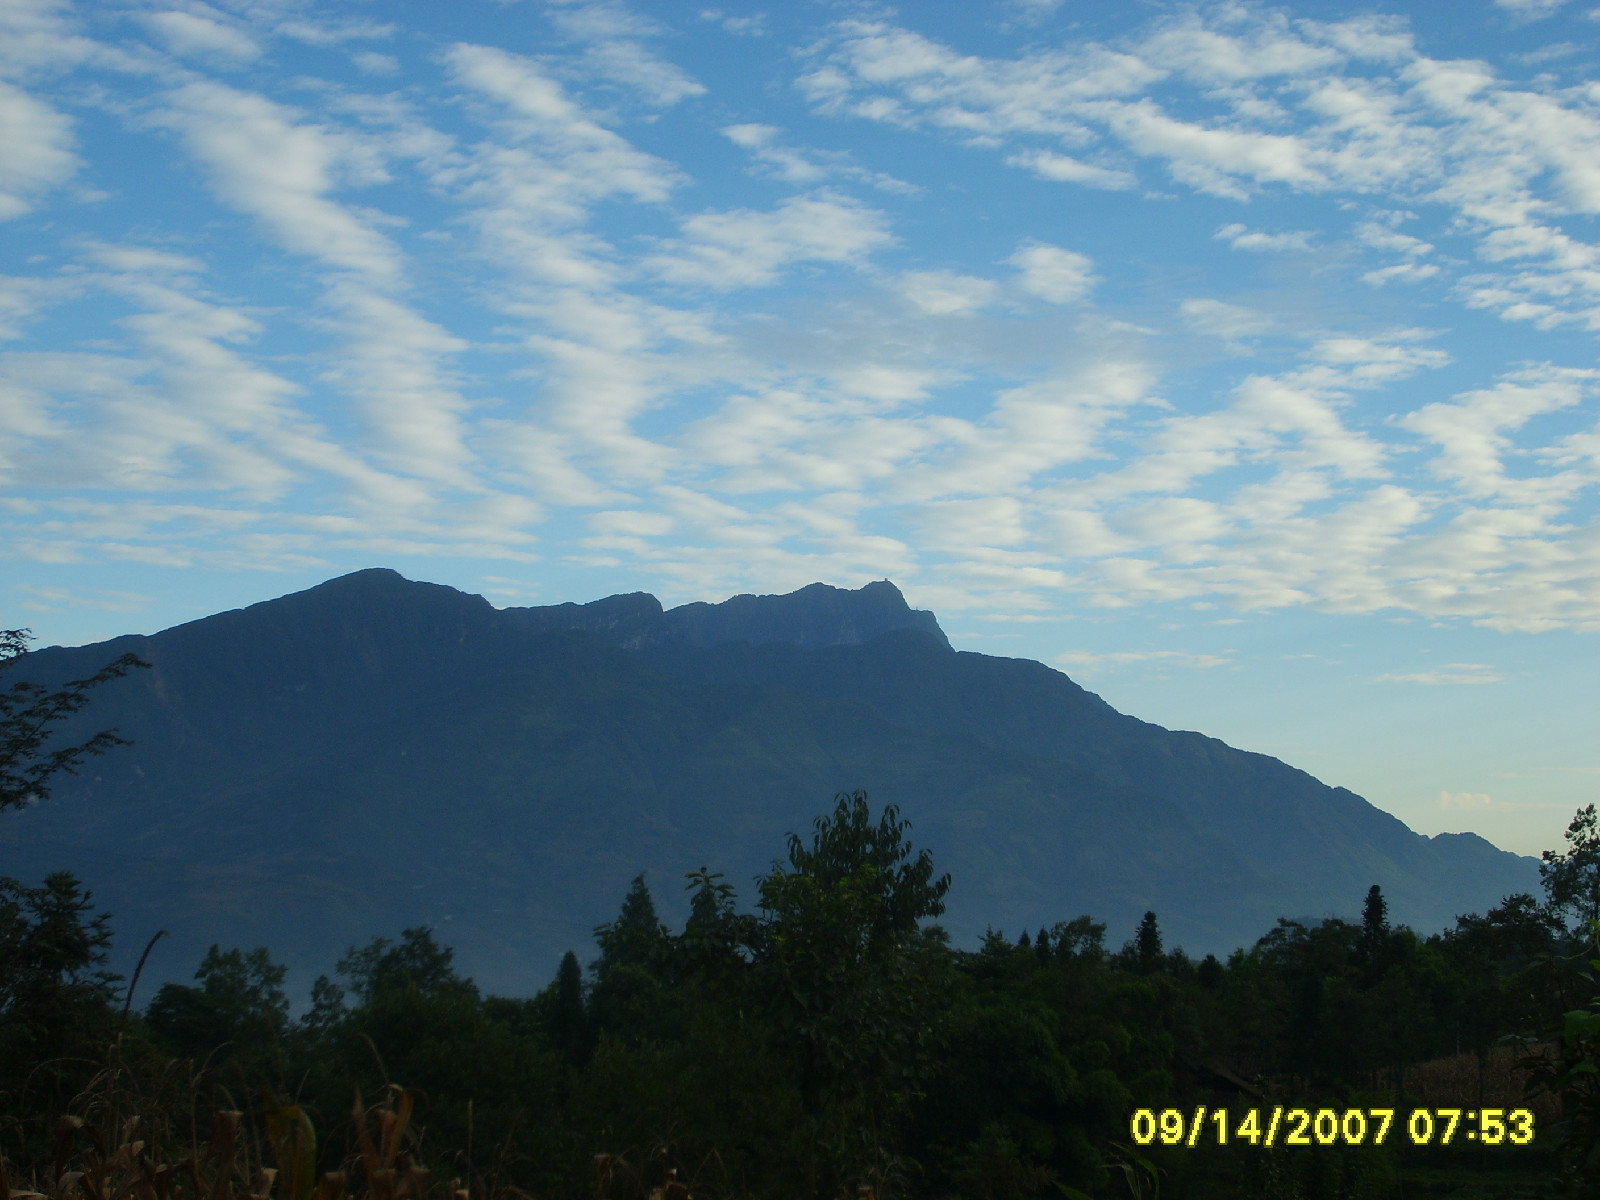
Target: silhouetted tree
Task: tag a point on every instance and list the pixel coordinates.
(1081, 937)
(1374, 915)
(568, 1021)
(637, 938)
(240, 1000)
(1147, 943)
(416, 961)
(28, 714)
(1374, 933)
(57, 1000)
(847, 974)
(56, 997)
(1572, 878)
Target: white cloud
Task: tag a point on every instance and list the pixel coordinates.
(1053, 274)
(1241, 237)
(1062, 168)
(1532, 9)
(1473, 801)
(616, 49)
(1449, 675)
(1406, 272)
(512, 352)
(21, 297)
(802, 167)
(265, 160)
(558, 156)
(946, 293)
(39, 37)
(745, 248)
(1220, 319)
(1084, 660)
(333, 33)
(370, 62)
(36, 150)
(1472, 433)
(51, 599)
(1422, 130)
(201, 31)
(1235, 50)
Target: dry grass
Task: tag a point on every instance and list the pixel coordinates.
(126, 1143)
(1463, 1081)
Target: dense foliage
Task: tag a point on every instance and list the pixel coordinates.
(825, 1038)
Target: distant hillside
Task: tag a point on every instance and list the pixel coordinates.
(374, 753)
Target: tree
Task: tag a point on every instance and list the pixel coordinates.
(847, 975)
(29, 713)
(240, 1000)
(1147, 944)
(1082, 937)
(566, 1021)
(417, 962)
(1374, 941)
(630, 999)
(56, 997)
(55, 994)
(637, 938)
(716, 940)
(1374, 915)
(1572, 879)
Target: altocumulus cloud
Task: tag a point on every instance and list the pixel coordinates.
(420, 290)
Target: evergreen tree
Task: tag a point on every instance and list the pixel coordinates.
(1147, 943)
(568, 1023)
(52, 959)
(637, 938)
(1374, 915)
(1374, 938)
(1041, 947)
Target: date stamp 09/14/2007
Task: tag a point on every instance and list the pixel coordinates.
(1326, 1126)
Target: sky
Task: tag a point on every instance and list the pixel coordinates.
(1237, 359)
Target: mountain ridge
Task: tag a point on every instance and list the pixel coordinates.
(374, 752)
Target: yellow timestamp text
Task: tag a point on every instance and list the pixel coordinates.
(1327, 1126)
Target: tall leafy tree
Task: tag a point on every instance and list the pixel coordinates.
(29, 714)
(56, 996)
(847, 974)
(240, 1000)
(1572, 878)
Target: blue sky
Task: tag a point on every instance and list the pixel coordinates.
(1238, 359)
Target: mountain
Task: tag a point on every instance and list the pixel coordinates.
(375, 753)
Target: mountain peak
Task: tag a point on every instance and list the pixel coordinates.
(816, 615)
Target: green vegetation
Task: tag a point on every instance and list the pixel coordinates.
(823, 1040)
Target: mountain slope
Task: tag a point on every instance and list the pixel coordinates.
(374, 753)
